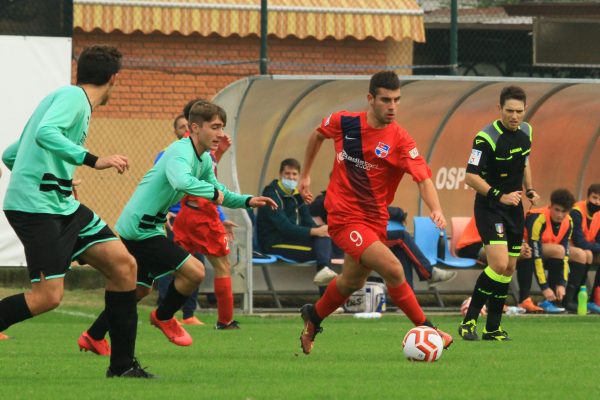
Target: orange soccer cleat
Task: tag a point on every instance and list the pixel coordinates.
(191, 321)
(88, 343)
(3, 336)
(172, 330)
(530, 306)
(446, 338)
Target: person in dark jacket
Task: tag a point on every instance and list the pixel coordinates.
(290, 230)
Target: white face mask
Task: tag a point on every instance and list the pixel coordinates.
(289, 184)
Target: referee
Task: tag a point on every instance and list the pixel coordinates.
(497, 169)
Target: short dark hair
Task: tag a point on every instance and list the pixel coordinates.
(177, 118)
(188, 106)
(563, 198)
(289, 162)
(205, 111)
(594, 188)
(97, 64)
(385, 80)
(514, 93)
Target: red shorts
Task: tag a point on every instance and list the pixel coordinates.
(199, 231)
(353, 237)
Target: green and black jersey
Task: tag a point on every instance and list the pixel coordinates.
(44, 158)
(499, 156)
(181, 170)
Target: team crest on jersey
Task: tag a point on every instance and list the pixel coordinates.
(414, 153)
(500, 229)
(382, 150)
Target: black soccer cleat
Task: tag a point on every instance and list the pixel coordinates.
(468, 330)
(310, 330)
(136, 371)
(232, 325)
(498, 335)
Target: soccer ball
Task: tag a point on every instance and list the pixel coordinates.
(423, 343)
(465, 306)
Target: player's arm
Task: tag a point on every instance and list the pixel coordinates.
(430, 197)
(10, 155)
(315, 141)
(179, 174)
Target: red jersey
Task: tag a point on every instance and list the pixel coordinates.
(369, 164)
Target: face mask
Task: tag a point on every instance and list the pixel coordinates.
(592, 208)
(289, 184)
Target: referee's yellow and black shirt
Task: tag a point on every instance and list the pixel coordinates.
(499, 156)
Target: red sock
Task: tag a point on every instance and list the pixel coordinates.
(331, 300)
(404, 297)
(224, 299)
(596, 295)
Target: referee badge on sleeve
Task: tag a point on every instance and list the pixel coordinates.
(475, 157)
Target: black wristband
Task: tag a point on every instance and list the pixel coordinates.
(494, 194)
(90, 160)
(529, 193)
(248, 202)
(216, 195)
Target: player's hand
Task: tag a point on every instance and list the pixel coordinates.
(560, 292)
(229, 225)
(549, 294)
(219, 200)
(74, 183)
(304, 189)
(170, 217)
(533, 196)
(525, 251)
(261, 201)
(320, 231)
(438, 219)
(512, 198)
(118, 162)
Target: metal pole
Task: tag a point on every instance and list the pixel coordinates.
(263, 37)
(454, 37)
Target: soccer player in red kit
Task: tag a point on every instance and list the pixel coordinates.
(372, 154)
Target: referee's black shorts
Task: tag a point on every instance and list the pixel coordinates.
(156, 257)
(500, 224)
(53, 241)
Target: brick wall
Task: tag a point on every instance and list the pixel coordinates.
(163, 72)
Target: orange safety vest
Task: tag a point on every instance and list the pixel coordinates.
(548, 235)
(469, 236)
(589, 232)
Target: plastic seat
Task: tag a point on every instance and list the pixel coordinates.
(395, 226)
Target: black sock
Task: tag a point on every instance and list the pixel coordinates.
(556, 270)
(483, 289)
(13, 309)
(496, 306)
(171, 303)
(576, 275)
(525, 277)
(99, 328)
(121, 314)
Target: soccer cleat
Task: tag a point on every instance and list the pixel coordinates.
(310, 330)
(446, 338)
(172, 330)
(3, 336)
(468, 330)
(439, 275)
(593, 308)
(88, 343)
(136, 371)
(550, 308)
(324, 276)
(232, 325)
(530, 307)
(191, 321)
(498, 335)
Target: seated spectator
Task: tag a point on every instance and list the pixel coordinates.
(290, 230)
(402, 245)
(586, 236)
(547, 231)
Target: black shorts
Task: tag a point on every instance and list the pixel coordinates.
(53, 241)
(156, 257)
(500, 224)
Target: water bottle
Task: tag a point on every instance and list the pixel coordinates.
(441, 246)
(582, 298)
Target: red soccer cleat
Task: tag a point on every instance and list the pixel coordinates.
(3, 336)
(310, 330)
(88, 343)
(193, 320)
(446, 338)
(172, 330)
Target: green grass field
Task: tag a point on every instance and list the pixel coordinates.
(549, 358)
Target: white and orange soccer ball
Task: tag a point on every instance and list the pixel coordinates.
(465, 306)
(423, 343)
